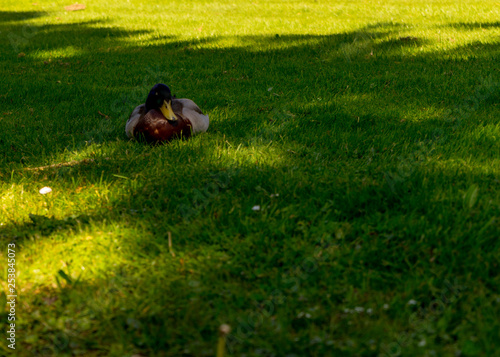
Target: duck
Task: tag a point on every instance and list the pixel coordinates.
(164, 117)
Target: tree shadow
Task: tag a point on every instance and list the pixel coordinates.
(473, 25)
(286, 120)
(323, 116)
(11, 16)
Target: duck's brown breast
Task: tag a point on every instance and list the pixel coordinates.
(155, 128)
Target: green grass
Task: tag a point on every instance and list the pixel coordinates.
(366, 131)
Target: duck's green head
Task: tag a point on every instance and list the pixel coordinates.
(160, 98)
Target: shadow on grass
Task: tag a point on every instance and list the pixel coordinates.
(233, 76)
(284, 81)
(473, 25)
(328, 105)
(10, 16)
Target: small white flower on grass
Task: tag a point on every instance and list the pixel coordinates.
(369, 311)
(274, 195)
(256, 208)
(412, 302)
(386, 306)
(359, 309)
(304, 314)
(45, 190)
(422, 343)
(224, 329)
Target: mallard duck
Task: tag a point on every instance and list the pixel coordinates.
(164, 117)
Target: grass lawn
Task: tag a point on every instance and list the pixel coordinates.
(345, 200)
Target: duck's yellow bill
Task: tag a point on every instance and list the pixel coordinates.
(166, 109)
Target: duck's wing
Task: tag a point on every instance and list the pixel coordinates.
(138, 112)
(188, 109)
